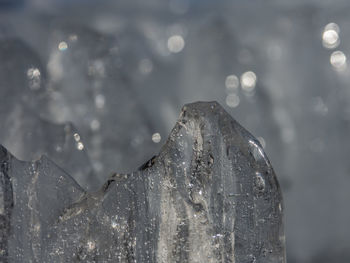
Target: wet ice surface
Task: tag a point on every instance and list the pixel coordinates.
(297, 104)
(210, 195)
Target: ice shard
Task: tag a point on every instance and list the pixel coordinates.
(210, 195)
(32, 196)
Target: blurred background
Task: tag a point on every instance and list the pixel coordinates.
(98, 85)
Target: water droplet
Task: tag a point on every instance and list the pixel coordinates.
(156, 137)
(338, 60)
(76, 137)
(176, 43)
(62, 46)
(330, 36)
(232, 100)
(34, 77)
(80, 146)
(232, 83)
(248, 81)
(33, 72)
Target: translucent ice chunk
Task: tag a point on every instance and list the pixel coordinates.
(210, 195)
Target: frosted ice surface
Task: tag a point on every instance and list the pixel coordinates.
(210, 195)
